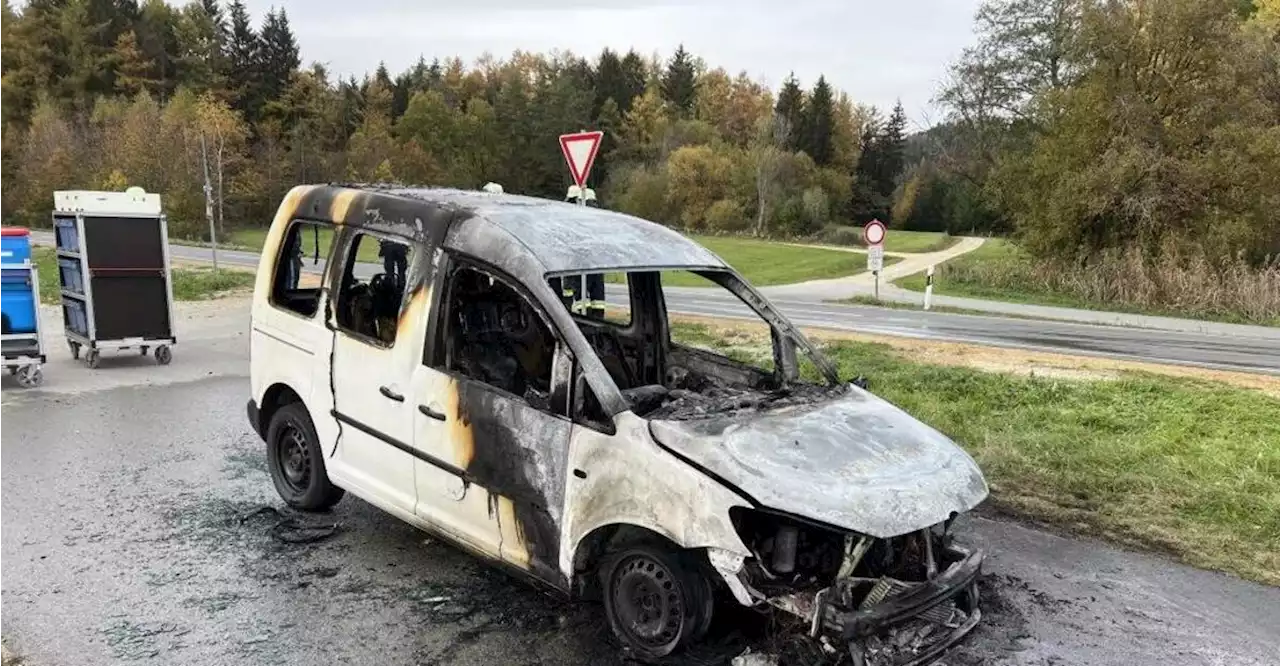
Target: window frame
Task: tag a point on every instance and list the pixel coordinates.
(563, 361)
(346, 239)
(276, 274)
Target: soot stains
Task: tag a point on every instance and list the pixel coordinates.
(521, 454)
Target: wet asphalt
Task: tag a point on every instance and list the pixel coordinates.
(140, 527)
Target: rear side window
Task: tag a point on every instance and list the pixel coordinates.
(296, 284)
(373, 288)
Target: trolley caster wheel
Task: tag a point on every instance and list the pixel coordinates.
(92, 358)
(30, 375)
(143, 350)
(164, 354)
(75, 350)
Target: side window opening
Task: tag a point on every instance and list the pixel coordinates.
(493, 334)
(369, 301)
(293, 288)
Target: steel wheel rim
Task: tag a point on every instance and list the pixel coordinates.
(294, 458)
(648, 602)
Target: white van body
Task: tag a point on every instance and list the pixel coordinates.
(444, 380)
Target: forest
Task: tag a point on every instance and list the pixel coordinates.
(1087, 130)
(108, 93)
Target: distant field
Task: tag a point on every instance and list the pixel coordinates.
(1000, 271)
(913, 242)
(762, 262)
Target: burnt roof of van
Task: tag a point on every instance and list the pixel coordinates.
(566, 237)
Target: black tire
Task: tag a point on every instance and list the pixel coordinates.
(296, 461)
(657, 600)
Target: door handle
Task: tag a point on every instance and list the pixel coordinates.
(431, 412)
(388, 393)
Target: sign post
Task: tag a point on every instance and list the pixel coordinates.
(873, 235)
(928, 287)
(579, 150)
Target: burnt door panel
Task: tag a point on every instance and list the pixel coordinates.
(130, 305)
(520, 455)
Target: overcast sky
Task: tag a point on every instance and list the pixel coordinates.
(875, 50)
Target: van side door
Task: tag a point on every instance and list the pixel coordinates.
(490, 421)
(378, 319)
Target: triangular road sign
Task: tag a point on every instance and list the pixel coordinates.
(580, 153)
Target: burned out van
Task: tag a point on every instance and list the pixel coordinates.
(416, 347)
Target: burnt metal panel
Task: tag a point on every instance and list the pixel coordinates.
(522, 454)
(877, 470)
(130, 306)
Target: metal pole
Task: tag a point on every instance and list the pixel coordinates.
(877, 274)
(582, 279)
(208, 201)
(928, 287)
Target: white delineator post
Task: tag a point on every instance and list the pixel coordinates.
(928, 287)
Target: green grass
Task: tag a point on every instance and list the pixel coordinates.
(767, 263)
(917, 241)
(1000, 251)
(1184, 467)
(189, 284)
(252, 239)
(1010, 267)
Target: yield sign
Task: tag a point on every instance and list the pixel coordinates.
(580, 153)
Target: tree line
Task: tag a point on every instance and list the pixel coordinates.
(107, 93)
(1094, 127)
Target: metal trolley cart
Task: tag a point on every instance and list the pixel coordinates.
(113, 265)
(21, 343)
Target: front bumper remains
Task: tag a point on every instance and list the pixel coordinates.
(890, 622)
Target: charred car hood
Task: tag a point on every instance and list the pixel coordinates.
(855, 462)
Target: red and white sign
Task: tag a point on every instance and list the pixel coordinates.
(580, 153)
(873, 233)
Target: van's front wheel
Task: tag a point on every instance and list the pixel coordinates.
(296, 462)
(657, 601)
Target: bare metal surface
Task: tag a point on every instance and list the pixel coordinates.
(855, 462)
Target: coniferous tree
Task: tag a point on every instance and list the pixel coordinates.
(891, 147)
(634, 75)
(278, 54)
(242, 62)
(679, 83)
(790, 108)
(818, 122)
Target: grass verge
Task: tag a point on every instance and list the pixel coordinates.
(189, 284)
(999, 270)
(1186, 467)
(762, 262)
(896, 241)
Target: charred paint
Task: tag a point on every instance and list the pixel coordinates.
(519, 454)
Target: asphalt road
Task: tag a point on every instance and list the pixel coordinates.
(1258, 351)
(136, 532)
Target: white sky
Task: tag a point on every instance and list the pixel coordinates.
(875, 50)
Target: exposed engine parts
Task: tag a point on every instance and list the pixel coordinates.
(895, 602)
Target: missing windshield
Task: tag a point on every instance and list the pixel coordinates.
(673, 366)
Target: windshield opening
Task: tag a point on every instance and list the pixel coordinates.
(686, 344)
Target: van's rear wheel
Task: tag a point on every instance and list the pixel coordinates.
(657, 600)
(296, 462)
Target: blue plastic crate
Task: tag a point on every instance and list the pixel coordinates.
(18, 301)
(15, 245)
(69, 269)
(67, 233)
(74, 318)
